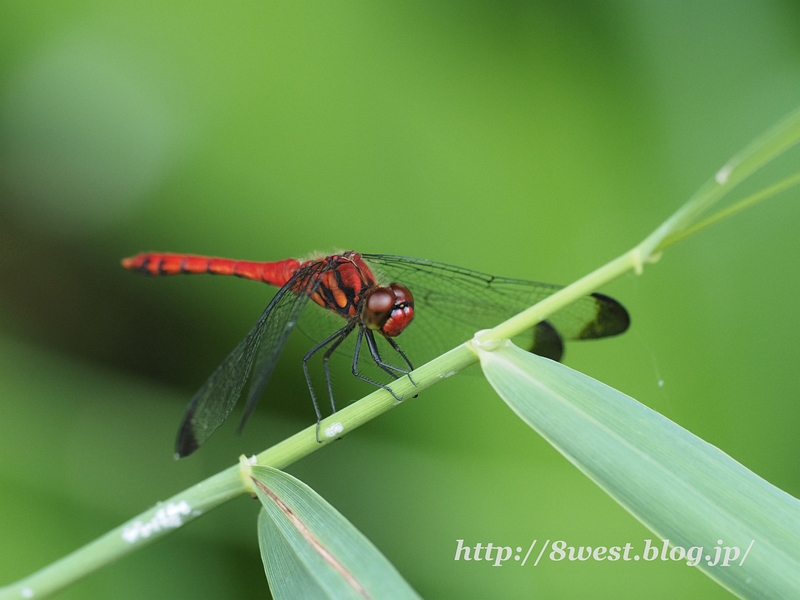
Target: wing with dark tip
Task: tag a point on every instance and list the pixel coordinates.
(452, 303)
(547, 342)
(610, 318)
(214, 401)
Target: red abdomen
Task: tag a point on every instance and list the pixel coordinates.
(158, 263)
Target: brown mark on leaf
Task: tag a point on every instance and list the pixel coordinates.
(315, 543)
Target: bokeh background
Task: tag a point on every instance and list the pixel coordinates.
(533, 140)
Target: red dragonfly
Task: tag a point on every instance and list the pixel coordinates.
(449, 304)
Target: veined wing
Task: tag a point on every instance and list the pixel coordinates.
(452, 303)
(214, 401)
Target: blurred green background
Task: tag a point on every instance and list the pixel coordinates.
(533, 140)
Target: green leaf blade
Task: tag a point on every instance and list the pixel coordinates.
(287, 578)
(310, 550)
(682, 488)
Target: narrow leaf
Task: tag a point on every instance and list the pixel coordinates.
(682, 488)
(310, 550)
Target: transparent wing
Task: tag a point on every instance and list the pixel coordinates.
(452, 303)
(302, 286)
(214, 401)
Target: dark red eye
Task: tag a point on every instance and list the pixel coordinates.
(402, 311)
(377, 307)
(388, 309)
(402, 294)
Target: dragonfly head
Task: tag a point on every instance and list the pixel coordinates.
(388, 309)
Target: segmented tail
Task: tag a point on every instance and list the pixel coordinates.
(162, 263)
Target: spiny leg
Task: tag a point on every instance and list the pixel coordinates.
(356, 355)
(402, 354)
(343, 333)
(338, 334)
(376, 357)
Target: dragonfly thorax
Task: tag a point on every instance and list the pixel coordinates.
(388, 309)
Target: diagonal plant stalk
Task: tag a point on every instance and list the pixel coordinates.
(218, 489)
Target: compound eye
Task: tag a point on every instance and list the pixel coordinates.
(402, 312)
(402, 294)
(378, 307)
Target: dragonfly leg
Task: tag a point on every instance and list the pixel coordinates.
(356, 356)
(376, 357)
(402, 354)
(344, 331)
(336, 339)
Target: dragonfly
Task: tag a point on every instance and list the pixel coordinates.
(374, 297)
